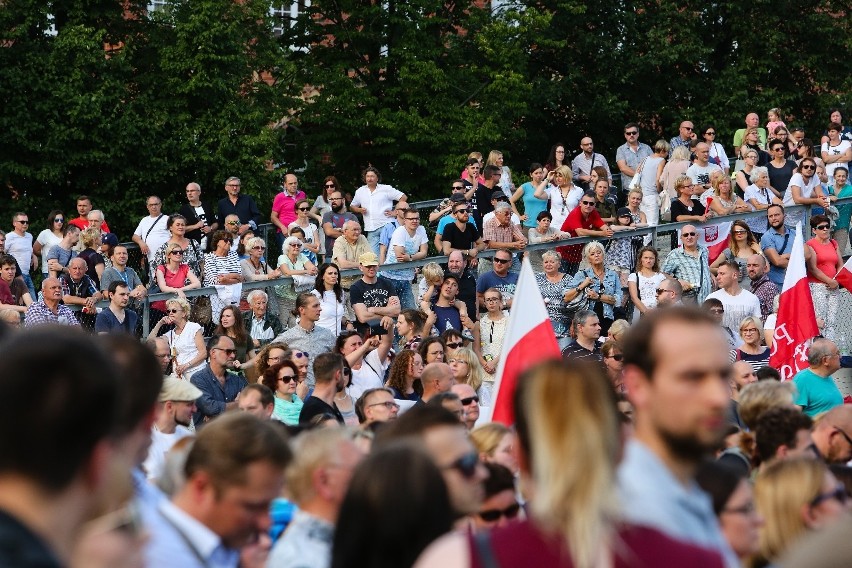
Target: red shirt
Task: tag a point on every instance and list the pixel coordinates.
(82, 223)
(574, 221)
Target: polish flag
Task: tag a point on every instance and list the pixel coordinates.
(844, 277)
(714, 238)
(796, 324)
(529, 340)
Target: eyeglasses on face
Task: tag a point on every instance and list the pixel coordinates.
(227, 352)
(717, 311)
(710, 133)
(330, 185)
(822, 227)
(304, 208)
(455, 345)
(632, 133)
(287, 378)
(300, 354)
(740, 231)
(462, 211)
(466, 465)
(493, 515)
(838, 494)
(584, 202)
(259, 247)
(687, 127)
(177, 252)
(458, 187)
(295, 245)
(173, 311)
(23, 221)
(661, 290)
(686, 235)
(807, 167)
(468, 400)
(232, 223)
(389, 404)
(58, 220)
(502, 260)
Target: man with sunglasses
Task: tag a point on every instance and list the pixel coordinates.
(470, 403)
(629, 155)
(686, 134)
(832, 436)
(689, 265)
(498, 277)
(220, 387)
(582, 221)
(19, 243)
(334, 221)
(445, 207)
(816, 391)
(284, 206)
(669, 292)
(462, 235)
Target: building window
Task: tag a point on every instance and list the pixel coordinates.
(154, 5)
(284, 15)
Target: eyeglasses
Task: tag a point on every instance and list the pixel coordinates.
(465, 211)
(165, 356)
(336, 199)
(844, 434)
(752, 156)
(661, 290)
(232, 185)
(740, 231)
(258, 248)
(412, 218)
(177, 252)
(685, 235)
(389, 404)
(749, 330)
(23, 222)
(227, 352)
(458, 361)
(807, 167)
(778, 149)
(710, 133)
(587, 202)
(632, 133)
(686, 127)
(493, 515)
(838, 493)
(466, 465)
(232, 223)
(288, 378)
(822, 227)
(304, 209)
(617, 357)
(455, 345)
(502, 260)
(468, 400)
(458, 187)
(58, 220)
(296, 245)
(153, 204)
(173, 311)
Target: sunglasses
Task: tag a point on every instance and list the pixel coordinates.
(838, 493)
(58, 220)
(740, 232)
(177, 252)
(587, 202)
(232, 223)
(300, 354)
(493, 515)
(808, 167)
(710, 133)
(689, 235)
(502, 260)
(618, 357)
(633, 133)
(330, 185)
(458, 187)
(686, 127)
(23, 222)
(462, 211)
(258, 248)
(288, 378)
(296, 245)
(227, 352)
(717, 311)
(822, 227)
(173, 311)
(304, 208)
(455, 345)
(468, 400)
(466, 465)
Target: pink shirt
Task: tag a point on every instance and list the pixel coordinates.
(826, 255)
(285, 205)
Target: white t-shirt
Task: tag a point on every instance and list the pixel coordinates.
(799, 181)
(311, 231)
(647, 287)
(160, 444)
(737, 308)
(376, 202)
(371, 375)
(21, 248)
(701, 174)
(836, 151)
(560, 208)
(184, 347)
(47, 240)
(411, 244)
(158, 235)
(332, 311)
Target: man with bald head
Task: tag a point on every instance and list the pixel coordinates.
(284, 207)
(79, 289)
(751, 121)
(200, 215)
(702, 168)
(761, 286)
(582, 164)
(669, 293)
(466, 276)
(49, 308)
(436, 378)
(686, 133)
(470, 404)
(831, 435)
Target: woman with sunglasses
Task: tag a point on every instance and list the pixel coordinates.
(176, 225)
(613, 361)
(795, 496)
(186, 339)
(49, 238)
(222, 268)
(281, 379)
(741, 245)
(569, 439)
(311, 242)
(824, 261)
(500, 505)
(174, 276)
(404, 376)
(293, 263)
(559, 188)
(717, 152)
(254, 268)
(367, 359)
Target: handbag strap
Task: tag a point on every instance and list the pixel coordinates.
(482, 540)
(154, 224)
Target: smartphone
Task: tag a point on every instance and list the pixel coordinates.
(376, 329)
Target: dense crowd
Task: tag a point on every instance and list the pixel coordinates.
(662, 437)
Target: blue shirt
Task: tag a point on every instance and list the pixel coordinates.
(816, 394)
(107, 322)
(771, 239)
(611, 286)
(652, 496)
(212, 402)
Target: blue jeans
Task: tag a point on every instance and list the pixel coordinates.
(29, 282)
(402, 289)
(373, 239)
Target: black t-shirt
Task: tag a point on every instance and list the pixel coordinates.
(467, 290)
(93, 258)
(207, 214)
(21, 547)
(315, 407)
(458, 239)
(779, 178)
(371, 295)
(679, 208)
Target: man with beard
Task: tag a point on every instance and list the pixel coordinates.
(331, 377)
(777, 244)
(466, 277)
(174, 415)
(676, 370)
(219, 386)
(333, 221)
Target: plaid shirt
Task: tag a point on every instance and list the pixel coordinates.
(38, 313)
(765, 290)
(494, 231)
(684, 266)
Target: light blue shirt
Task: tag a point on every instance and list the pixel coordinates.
(652, 496)
(177, 539)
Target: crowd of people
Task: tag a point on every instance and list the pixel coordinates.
(267, 422)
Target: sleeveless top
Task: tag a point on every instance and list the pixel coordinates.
(826, 255)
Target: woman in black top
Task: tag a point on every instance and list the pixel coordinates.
(684, 208)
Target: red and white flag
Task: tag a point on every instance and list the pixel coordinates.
(714, 238)
(529, 340)
(844, 276)
(796, 324)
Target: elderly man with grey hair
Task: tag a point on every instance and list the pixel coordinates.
(816, 390)
(499, 232)
(261, 325)
(347, 249)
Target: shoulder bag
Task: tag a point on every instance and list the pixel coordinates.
(580, 301)
(634, 183)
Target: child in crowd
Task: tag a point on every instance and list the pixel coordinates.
(774, 118)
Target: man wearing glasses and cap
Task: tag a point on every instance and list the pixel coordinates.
(174, 417)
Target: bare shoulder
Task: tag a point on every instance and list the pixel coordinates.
(449, 551)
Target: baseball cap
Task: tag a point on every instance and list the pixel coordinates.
(110, 239)
(368, 259)
(499, 195)
(623, 212)
(178, 390)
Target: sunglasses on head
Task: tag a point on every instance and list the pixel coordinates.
(493, 515)
(466, 465)
(468, 400)
(287, 378)
(455, 345)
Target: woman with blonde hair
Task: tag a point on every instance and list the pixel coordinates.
(674, 168)
(753, 351)
(795, 496)
(562, 193)
(569, 444)
(186, 339)
(467, 370)
(496, 444)
(495, 158)
(724, 201)
(174, 275)
(742, 244)
(91, 240)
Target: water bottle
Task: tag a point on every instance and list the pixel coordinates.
(842, 346)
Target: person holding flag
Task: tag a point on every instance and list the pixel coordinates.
(796, 323)
(822, 264)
